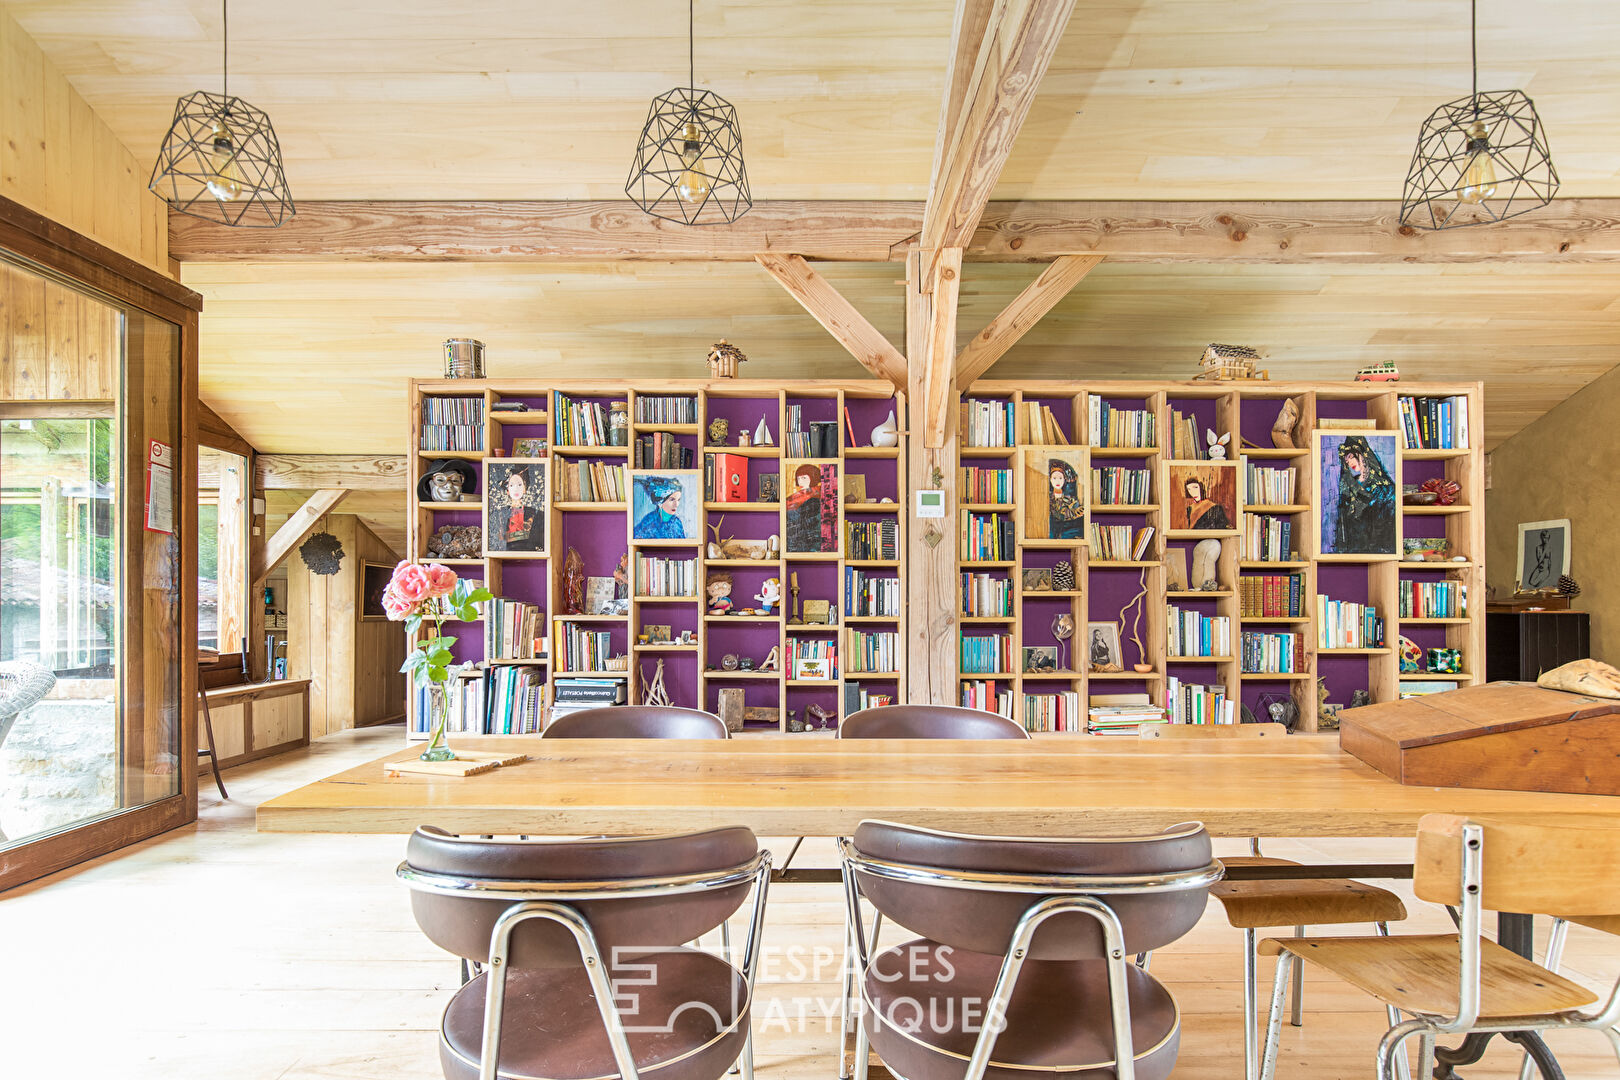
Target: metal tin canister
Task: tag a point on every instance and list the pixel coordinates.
(463, 358)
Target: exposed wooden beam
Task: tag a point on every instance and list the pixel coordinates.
(212, 430)
(1026, 309)
(1568, 231)
(1015, 43)
(294, 531)
(838, 316)
(352, 472)
(940, 377)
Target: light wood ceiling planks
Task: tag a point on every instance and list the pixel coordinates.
(1145, 99)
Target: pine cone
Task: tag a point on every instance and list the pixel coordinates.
(1568, 587)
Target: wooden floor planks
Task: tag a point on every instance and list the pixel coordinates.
(220, 952)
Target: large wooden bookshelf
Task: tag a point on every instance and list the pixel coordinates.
(603, 531)
(1246, 412)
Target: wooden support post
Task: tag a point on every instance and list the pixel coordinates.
(931, 620)
(259, 658)
(939, 378)
(308, 472)
(1015, 320)
(233, 548)
(295, 530)
(817, 296)
(51, 576)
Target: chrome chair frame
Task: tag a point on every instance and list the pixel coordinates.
(1427, 1028)
(1557, 936)
(549, 900)
(1075, 892)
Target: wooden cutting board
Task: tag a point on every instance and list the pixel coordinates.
(466, 763)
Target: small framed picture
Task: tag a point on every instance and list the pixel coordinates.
(688, 637)
(1102, 649)
(1038, 580)
(529, 448)
(1543, 554)
(375, 578)
(812, 668)
(854, 488)
(770, 489)
(515, 505)
(1040, 659)
(656, 635)
(599, 596)
(667, 505)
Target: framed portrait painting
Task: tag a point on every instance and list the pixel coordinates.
(665, 505)
(1052, 505)
(374, 578)
(515, 505)
(1543, 554)
(812, 507)
(1203, 498)
(1359, 494)
(1103, 651)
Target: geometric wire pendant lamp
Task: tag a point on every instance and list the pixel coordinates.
(689, 160)
(220, 160)
(1479, 159)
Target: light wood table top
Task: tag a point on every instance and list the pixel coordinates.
(795, 786)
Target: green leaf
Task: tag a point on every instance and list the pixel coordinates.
(438, 675)
(412, 622)
(480, 595)
(440, 658)
(414, 661)
(468, 613)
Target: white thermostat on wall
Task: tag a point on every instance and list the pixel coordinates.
(931, 504)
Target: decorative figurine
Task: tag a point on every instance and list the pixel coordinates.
(719, 428)
(573, 583)
(773, 659)
(719, 590)
(815, 712)
(724, 358)
(655, 694)
(1217, 447)
(1282, 428)
(1063, 576)
(446, 480)
(621, 578)
(1138, 602)
(1359, 698)
(1062, 631)
(1567, 586)
(745, 663)
(1205, 565)
(729, 662)
(762, 434)
(745, 439)
(769, 595)
(793, 578)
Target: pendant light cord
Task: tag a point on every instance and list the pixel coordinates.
(691, 43)
(1473, 49)
(225, 46)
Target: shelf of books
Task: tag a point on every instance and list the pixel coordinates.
(735, 547)
(1223, 570)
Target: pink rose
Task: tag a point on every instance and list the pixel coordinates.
(411, 583)
(441, 580)
(396, 606)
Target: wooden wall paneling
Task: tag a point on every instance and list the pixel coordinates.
(230, 723)
(379, 650)
(234, 551)
(356, 472)
(295, 531)
(931, 605)
(62, 160)
(28, 351)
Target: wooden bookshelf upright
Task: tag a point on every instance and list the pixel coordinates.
(1244, 412)
(694, 672)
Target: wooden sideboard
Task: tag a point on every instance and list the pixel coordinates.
(257, 720)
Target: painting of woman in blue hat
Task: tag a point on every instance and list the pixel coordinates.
(664, 507)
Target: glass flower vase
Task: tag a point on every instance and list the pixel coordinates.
(438, 748)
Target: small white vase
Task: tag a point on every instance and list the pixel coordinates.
(886, 433)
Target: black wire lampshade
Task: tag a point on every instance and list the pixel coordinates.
(1479, 159)
(689, 162)
(221, 162)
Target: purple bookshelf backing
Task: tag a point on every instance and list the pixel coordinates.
(1425, 525)
(882, 476)
(818, 409)
(1202, 410)
(680, 676)
(1062, 408)
(743, 524)
(470, 516)
(1344, 675)
(1202, 674)
(525, 580)
(743, 637)
(1417, 471)
(598, 536)
(817, 581)
(866, 414)
(1344, 582)
(676, 616)
(469, 646)
(743, 414)
(1340, 409)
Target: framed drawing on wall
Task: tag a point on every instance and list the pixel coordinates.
(1203, 498)
(516, 503)
(1543, 554)
(374, 579)
(812, 507)
(1053, 503)
(1359, 494)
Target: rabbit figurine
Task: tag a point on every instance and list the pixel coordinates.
(1217, 447)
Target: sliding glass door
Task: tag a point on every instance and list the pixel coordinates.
(91, 518)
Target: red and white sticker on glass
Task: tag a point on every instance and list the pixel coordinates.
(159, 487)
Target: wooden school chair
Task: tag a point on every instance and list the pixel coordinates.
(1255, 905)
(1464, 982)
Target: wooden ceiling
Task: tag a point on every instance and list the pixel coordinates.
(1145, 99)
(312, 357)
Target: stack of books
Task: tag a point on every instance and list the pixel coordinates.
(579, 423)
(985, 595)
(803, 648)
(1185, 441)
(661, 450)
(986, 654)
(1195, 634)
(1272, 653)
(872, 540)
(582, 649)
(819, 440)
(1268, 487)
(516, 700)
(658, 576)
(1199, 703)
(1121, 714)
(858, 697)
(577, 694)
(1434, 423)
(453, 423)
(987, 695)
(877, 652)
(514, 630)
(1120, 427)
(591, 481)
(666, 410)
(985, 485)
(1343, 624)
(867, 594)
(1120, 487)
(1266, 538)
(1120, 543)
(1433, 600)
(987, 538)
(1053, 712)
(1271, 596)
(1044, 429)
(987, 423)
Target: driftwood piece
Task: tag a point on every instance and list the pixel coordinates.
(1593, 678)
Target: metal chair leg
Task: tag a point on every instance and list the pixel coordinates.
(1144, 960)
(863, 1048)
(1251, 1009)
(1403, 1070)
(1555, 956)
(725, 953)
(1425, 1065)
(1297, 1016)
(1286, 962)
(212, 751)
(848, 1001)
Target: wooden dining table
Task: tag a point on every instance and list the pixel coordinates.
(787, 785)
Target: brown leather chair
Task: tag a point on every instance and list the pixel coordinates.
(560, 925)
(638, 722)
(928, 722)
(1033, 929)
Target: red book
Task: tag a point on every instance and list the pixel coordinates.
(731, 485)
